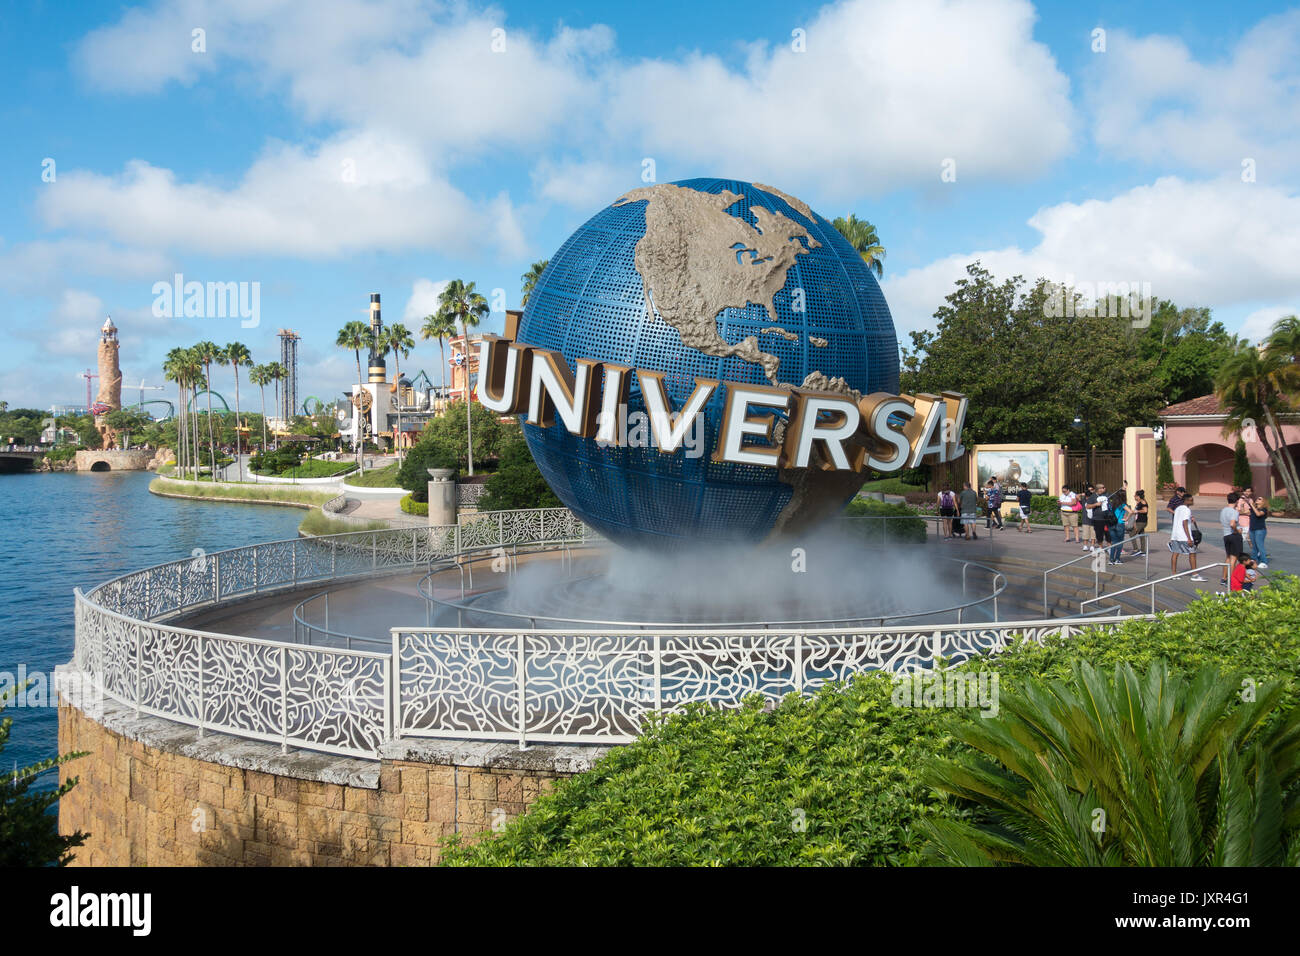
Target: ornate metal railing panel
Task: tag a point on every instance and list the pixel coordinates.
(598, 686)
(527, 685)
(319, 698)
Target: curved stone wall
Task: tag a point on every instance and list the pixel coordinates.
(156, 793)
(114, 459)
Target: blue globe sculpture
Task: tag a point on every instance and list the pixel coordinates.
(816, 317)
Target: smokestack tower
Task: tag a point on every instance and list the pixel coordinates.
(378, 370)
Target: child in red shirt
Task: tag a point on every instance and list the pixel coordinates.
(1243, 575)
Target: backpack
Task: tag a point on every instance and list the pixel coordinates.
(946, 500)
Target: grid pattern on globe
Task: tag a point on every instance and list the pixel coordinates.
(590, 303)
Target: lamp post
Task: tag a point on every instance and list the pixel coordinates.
(1081, 421)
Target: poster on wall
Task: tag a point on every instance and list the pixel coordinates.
(1014, 468)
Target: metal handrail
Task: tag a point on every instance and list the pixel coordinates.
(1096, 571)
(1153, 584)
(425, 589)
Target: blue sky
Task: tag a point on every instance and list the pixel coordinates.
(329, 150)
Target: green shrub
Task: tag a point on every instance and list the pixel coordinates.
(1164, 466)
(713, 786)
(29, 833)
(892, 486)
(62, 453)
(412, 507)
(1131, 770)
(517, 482)
(431, 451)
(904, 524)
(1241, 476)
(276, 462)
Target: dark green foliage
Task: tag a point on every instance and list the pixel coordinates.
(23, 425)
(1127, 769)
(29, 833)
(277, 462)
(429, 452)
(1241, 476)
(716, 786)
(1026, 373)
(517, 482)
(1164, 466)
(903, 525)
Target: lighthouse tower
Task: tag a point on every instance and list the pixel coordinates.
(109, 398)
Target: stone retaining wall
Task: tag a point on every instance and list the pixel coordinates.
(135, 459)
(155, 793)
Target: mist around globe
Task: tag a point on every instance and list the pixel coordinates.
(713, 279)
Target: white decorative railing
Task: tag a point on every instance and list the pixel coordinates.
(525, 685)
(598, 686)
(469, 494)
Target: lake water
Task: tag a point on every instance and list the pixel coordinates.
(66, 530)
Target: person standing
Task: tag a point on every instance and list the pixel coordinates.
(1229, 522)
(1089, 529)
(970, 506)
(1182, 536)
(1101, 516)
(1141, 511)
(1069, 502)
(1119, 510)
(947, 502)
(993, 502)
(1174, 502)
(1024, 498)
(1259, 530)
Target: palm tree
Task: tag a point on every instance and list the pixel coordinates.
(208, 353)
(278, 372)
(1252, 386)
(173, 371)
(235, 355)
(440, 327)
(355, 336)
(1126, 770)
(398, 340)
(531, 277)
(459, 302)
(260, 375)
(864, 240)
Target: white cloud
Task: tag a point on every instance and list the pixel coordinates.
(360, 191)
(584, 184)
(1215, 243)
(1151, 100)
(887, 90)
(43, 264)
(422, 301)
(1258, 324)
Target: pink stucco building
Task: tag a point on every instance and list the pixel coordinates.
(1202, 456)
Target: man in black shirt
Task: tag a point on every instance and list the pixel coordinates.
(1025, 498)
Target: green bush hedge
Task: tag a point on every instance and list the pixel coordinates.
(413, 507)
(903, 527)
(837, 779)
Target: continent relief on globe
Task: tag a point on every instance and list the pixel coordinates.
(689, 265)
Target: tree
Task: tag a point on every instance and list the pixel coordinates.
(441, 327)
(260, 375)
(1164, 466)
(278, 374)
(209, 352)
(184, 368)
(355, 336)
(459, 302)
(430, 451)
(237, 354)
(1026, 368)
(1187, 347)
(124, 421)
(397, 339)
(1241, 476)
(531, 278)
(1250, 387)
(864, 240)
(1124, 770)
(29, 833)
(517, 483)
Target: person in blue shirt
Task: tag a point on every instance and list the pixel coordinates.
(1116, 519)
(1024, 497)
